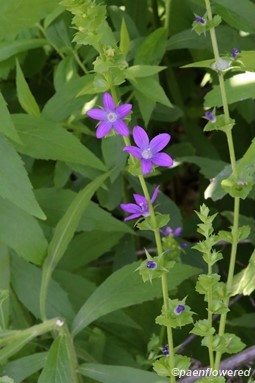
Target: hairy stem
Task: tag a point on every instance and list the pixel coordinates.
(234, 169)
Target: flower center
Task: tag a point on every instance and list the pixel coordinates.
(147, 153)
(111, 117)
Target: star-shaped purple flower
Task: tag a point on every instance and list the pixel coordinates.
(148, 151)
(140, 208)
(110, 117)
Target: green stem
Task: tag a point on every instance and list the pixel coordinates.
(234, 169)
(77, 59)
(167, 15)
(210, 321)
(164, 275)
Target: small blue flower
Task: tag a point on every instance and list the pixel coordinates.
(165, 350)
(200, 20)
(151, 265)
(179, 309)
(235, 52)
(210, 116)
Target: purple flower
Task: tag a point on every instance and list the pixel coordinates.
(151, 265)
(210, 116)
(110, 117)
(235, 52)
(165, 350)
(200, 20)
(169, 231)
(140, 208)
(179, 309)
(148, 151)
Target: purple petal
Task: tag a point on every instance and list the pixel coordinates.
(155, 194)
(177, 231)
(146, 166)
(103, 129)
(123, 110)
(121, 128)
(108, 101)
(96, 114)
(159, 142)
(140, 199)
(136, 152)
(130, 208)
(168, 231)
(162, 159)
(132, 216)
(140, 137)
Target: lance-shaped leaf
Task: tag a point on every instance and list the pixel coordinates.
(64, 233)
(6, 125)
(25, 97)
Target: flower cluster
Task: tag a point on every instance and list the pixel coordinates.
(147, 152)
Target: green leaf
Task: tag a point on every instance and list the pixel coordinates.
(64, 232)
(44, 139)
(124, 37)
(146, 106)
(151, 89)
(4, 286)
(208, 167)
(6, 125)
(15, 185)
(12, 48)
(74, 258)
(215, 189)
(70, 98)
(156, 43)
(138, 71)
(244, 281)
(13, 18)
(118, 374)
(22, 368)
(25, 97)
(14, 220)
(239, 87)
(26, 279)
(124, 288)
(239, 14)
(58, 367)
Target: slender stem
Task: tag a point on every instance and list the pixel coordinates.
(234, 169)
(167, 15)
(77, 59)
(164, 275)
(210, 320)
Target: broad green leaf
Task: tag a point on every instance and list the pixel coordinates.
(239, 13)
(14, 18)
(85, 248)
(124, 38)
(22, 368)
(15, 346)
(6, 125)
(146, 106)
(70, 98)
(118, 374)
(15, 185)
(239, 87)
(143, 71)
(26, 279)
(150, 88)
(208, 167)
(247, 162)
(4, 285)
(25, 97)
(56, 201)
(215, 190)
(244, 281)
(125, 288)
(156, 43)
(22, 233)
(44, 139)
(64, 232)
(12, 48)
(58, 367)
